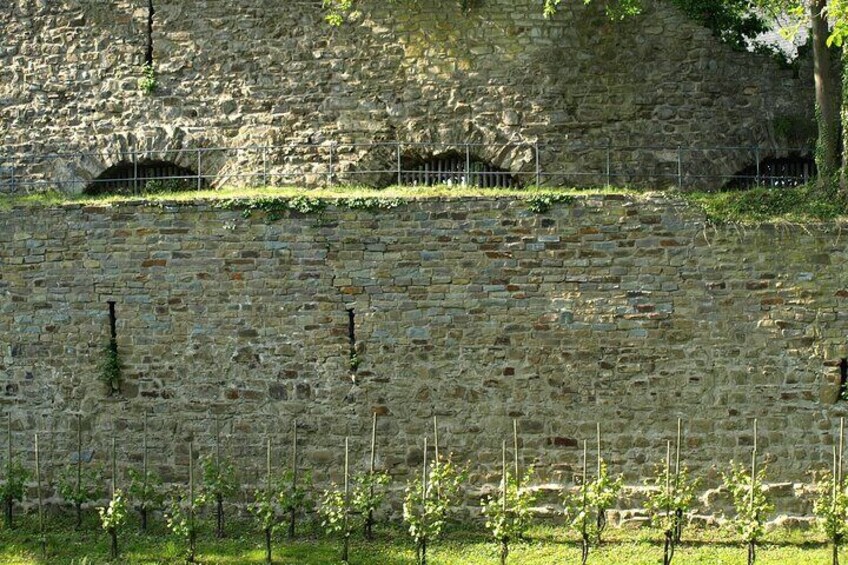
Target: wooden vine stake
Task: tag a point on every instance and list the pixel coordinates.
(113, 533)
(369, 520)
(668, 546)
(219, 497)
(436, 456)
(678, 512)
(79, 472)
(192, 533)
(9, 503)
(422, 548)
(752, 544)
(293, 510)
(504, 489)
(346, 532)
(436, 439)
(268, 487)
(41, 537)
(144, 474)
(584, 530)
(602, 512)
(515, 451)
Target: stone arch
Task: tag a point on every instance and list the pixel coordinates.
(496, 163)
(75, 173)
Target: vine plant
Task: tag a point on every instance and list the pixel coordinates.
(145, 493)
(831, 510)
(429, 500)
(78, 486)
(180, 514)
(578, 512)
(668, 502)
(180, 519)
(508, 514)
(831, 505)
(749, 498)
(12, 490)
(219, 483)
(112, 518)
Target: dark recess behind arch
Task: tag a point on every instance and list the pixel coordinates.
(775, 172)
(455, 168)
(147, 176)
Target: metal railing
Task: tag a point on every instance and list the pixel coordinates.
(382, 164)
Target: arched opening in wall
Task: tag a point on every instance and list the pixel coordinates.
(453, 168)
(148, 177)
(775, 172)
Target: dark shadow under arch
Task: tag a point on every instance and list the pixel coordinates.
(144, 177)
(775, 172)
(457, 169)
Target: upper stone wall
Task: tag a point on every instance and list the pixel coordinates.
(268, 72)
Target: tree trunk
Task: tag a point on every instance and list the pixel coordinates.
(752, 552)
(144, 519)
(835, 560)
(601, 522)
(668, 547)
(292, 520)
(346, 548)
(192, 538)
(424, 552)
(79, 515)
(369, 526)
(584, 546)
(9, 502)
(113, 533)
(219, 515)
(827, 117)
(267, 545)
(678, 525)
(504, 551)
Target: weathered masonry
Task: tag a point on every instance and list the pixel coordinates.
(264, 73)
(632, 312)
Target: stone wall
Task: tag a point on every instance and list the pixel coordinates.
(631, 312)
(261, 72)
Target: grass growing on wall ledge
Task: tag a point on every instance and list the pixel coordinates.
(802, 204)
(750, 207)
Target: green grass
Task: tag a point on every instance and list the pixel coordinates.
(335, 193)
(802, 205)
(547, 545)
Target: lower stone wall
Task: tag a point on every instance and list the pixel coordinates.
(632, 312)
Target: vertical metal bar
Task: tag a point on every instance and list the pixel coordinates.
(538, 164)
(679, 167)
(135, 172)
(609, 164)
(757, 180)
(199, 178)
(331, 171)
(399, 169)
(467, 165)
(264, 165)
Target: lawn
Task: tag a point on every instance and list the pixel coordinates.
(546, 545)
